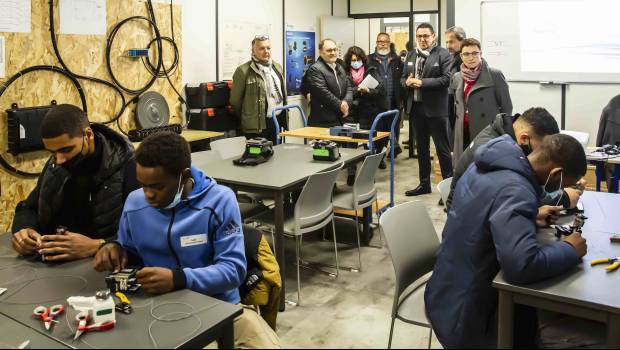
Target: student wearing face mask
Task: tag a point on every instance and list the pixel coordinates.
(82, 188)
(492, 226)
(367, 103)
(186, 231)
(528, 130)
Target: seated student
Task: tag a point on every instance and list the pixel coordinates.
(82, 188)
(184, 227)
(528, 130)
(492, 226)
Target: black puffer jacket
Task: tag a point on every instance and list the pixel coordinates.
(366, 107)
(327, 91)
(116, 178)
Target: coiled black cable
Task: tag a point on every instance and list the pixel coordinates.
(52, 28)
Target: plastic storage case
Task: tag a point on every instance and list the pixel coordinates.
(212, 119)
(209, 95)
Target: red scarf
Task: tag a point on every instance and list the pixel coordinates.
(358, 75)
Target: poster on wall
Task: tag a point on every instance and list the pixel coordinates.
(300, 54)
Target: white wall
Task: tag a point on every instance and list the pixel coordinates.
(198, 41)
(584, 102)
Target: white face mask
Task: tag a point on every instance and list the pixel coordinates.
(356, 65)
(544, 188)
(177, 196)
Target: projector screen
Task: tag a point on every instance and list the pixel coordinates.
(553, 40)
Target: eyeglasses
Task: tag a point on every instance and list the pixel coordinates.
(423, 36)
(261, 37)
(331, 50)
(470, 54)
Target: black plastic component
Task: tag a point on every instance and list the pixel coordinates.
(140, 135)
(209, 95)
(24, 128)
(212, 119)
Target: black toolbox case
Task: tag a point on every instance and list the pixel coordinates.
(209, 95)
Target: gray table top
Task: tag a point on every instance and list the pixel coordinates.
(57, 282)
(291, 164)
(13, 334)
(584, 285)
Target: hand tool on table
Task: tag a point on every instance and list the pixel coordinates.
(82, 320)
(48, 314)
(614, 263)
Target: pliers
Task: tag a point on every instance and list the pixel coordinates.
(614, 263)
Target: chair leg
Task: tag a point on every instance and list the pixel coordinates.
(335, 245)
(391, 333)
(359, 245)
(298, 255)
(430, 338)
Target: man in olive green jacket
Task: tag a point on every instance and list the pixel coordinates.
(258, 87)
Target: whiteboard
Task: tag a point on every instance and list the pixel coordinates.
(543, 41)
(239, 23)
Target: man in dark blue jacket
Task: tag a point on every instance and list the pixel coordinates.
(491, 226)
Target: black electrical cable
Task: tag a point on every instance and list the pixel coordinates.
(20, 74)
(111, 38)
(52, 28)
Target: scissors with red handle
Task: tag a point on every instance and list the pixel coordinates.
(82, 325)
(48, 314)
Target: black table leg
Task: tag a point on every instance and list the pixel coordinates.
(366, 220)
(279, 243)
(227, 337)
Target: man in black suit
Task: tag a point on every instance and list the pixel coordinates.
(328, 85)
(426, 77)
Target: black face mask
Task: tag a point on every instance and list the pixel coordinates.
(75, 161)
(527, 149)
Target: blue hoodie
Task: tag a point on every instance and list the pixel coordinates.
(491, 226)
(201, 238)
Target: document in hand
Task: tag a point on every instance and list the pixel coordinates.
(369, 82)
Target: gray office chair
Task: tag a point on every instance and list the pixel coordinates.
(230, 147)
(413, 242)
(201, 160)
(313, 211)
(362, 195)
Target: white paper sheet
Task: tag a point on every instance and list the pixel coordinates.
(369, 82)
(87, 17)
(15, 16)
(2, 58)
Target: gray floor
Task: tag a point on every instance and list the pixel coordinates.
(353, 311)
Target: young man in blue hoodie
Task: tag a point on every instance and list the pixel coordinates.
(491, 226)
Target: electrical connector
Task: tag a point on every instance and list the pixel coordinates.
(136, 53)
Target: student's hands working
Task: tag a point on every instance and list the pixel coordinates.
(548, 215)
(154, 280)
(67, 247)
(575, 192)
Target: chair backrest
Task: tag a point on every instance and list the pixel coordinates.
(364, 189)
(201, 160)
(582, 137)
(230, 147)
(412, 242)
(314, 206)
(444, 189)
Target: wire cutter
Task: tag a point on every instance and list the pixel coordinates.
(82, 325)
(614, 263)
(48, 314)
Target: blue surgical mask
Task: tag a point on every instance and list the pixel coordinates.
(177, 197)
(544, 187)
(356, 65)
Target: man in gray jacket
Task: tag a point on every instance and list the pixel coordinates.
(426, 77)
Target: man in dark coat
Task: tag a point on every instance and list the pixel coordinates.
(82, 189)
(426, 77)
(492, 226)
(528, 131)
(329, 89)
(454, 38)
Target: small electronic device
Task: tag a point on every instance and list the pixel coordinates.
(137, 53)
(140, 135)
(609, 150)
(325, 151)
(123, 281)
(96, 313)
(257, 151)
(567, 230)
(363, 134)
(341, 131)
(24, 128)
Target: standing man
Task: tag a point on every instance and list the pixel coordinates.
(454, 40)
(258, 87)
(426, 77)
(329, 87)
(390, 68)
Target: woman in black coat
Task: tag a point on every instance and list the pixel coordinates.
(367, 103)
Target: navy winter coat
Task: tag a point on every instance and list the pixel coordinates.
(491, 226)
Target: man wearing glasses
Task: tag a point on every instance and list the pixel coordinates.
(329, 88)
(258, 88)
(390, 69)
(426, 77)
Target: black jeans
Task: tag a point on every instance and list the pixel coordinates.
(438, 128)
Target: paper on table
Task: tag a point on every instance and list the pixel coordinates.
(369, 82)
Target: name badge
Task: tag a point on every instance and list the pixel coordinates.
(410, 63)
(190, 241)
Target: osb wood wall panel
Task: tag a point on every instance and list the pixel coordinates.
(83, 54)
